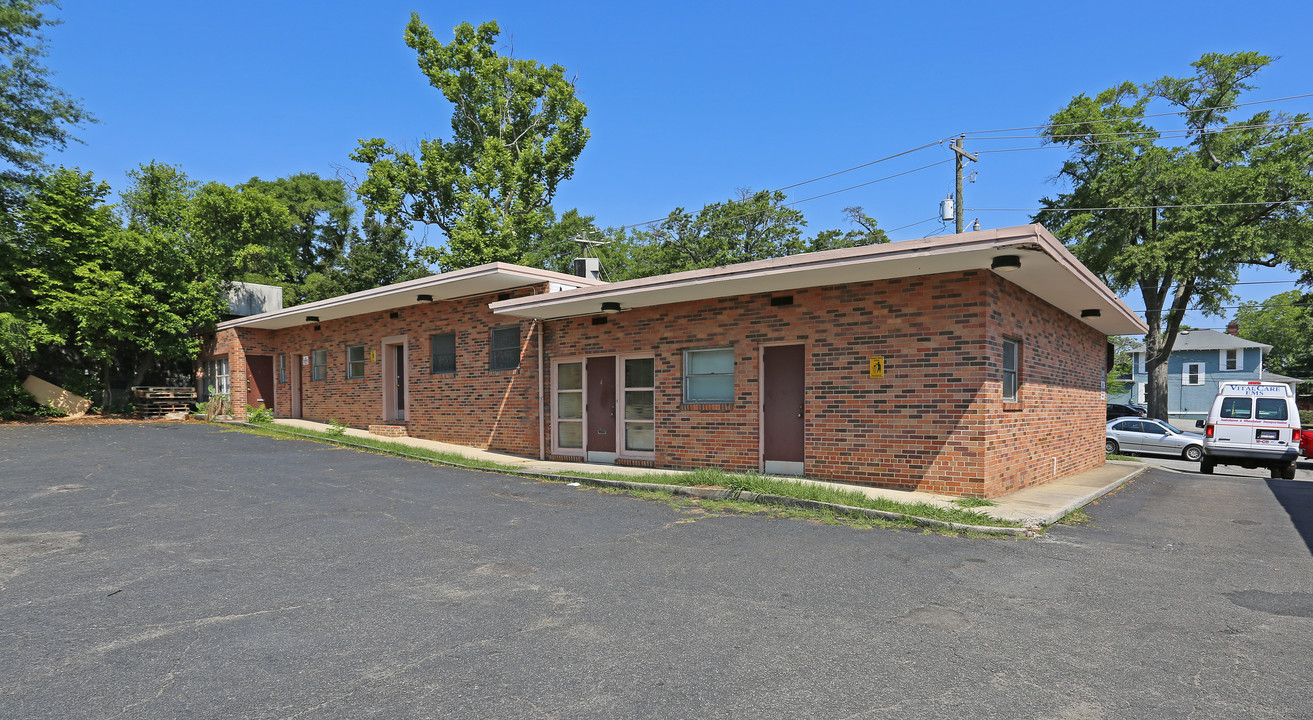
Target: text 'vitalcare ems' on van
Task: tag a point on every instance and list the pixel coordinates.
(1252, 425)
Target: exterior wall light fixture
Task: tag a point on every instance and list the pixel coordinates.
(1090, 313)
(611, 307)
(1006, 263)
(312, 318)
(423, 298)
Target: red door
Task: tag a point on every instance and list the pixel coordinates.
(599, 409)
(782, 409)
(260, 381)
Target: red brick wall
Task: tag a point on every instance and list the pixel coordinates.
(936, 421)
(928, 425)
(474, 406)
(1057, 427)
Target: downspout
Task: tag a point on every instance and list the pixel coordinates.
(538, 329)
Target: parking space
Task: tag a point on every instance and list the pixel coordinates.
(1303, 468)
(163, 571)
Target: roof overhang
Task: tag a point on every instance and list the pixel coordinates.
(480, 280)
(1048, 270)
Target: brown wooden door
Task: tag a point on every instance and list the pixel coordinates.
(783, 407)
(599, 409)
(260, 381)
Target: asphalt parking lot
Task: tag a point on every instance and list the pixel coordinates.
(1303, 468)
(178, 570)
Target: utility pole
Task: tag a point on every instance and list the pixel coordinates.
(958, 155)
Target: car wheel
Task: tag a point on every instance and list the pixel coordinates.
(1110, 447)
(1193, 453)
(1206, 466)
(1276, 473)
(1288, 472)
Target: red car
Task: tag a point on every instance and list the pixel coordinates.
(1306, 441)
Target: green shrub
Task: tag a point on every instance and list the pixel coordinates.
(335, 427)
(52, 412)
(259, 415)
(1306, 417)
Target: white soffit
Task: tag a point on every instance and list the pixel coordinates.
(1047, 270)
(483, 279)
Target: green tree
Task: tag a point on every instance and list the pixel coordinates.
(866, 232)
(321, 216)
(1203, 209)
(375, 256)
(251, 229)
(1284, 321)
(516, 132)
(756, 226)
(34, 113)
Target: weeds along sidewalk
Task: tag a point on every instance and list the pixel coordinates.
(704, 483)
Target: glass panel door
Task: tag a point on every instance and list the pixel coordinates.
(569, 406)
(640, 404)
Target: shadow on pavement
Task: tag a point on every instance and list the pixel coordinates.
(1297, 498)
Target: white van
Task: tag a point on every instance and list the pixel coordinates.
(1252, 425)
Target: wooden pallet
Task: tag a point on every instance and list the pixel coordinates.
(164, 393)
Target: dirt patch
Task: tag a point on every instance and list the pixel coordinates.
(84, 420)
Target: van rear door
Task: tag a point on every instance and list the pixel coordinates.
(1233, 429)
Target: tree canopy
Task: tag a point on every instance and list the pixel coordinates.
(1284, 321)
(516, 131)
(35, 114)
(1176, 222)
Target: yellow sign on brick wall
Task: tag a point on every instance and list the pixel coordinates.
(877, 366)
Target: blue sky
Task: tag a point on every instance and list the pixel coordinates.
(687, 101)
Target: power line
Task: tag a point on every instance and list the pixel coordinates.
(1163, 134)
(1164, 114)
(1146, 207)
(859, 167)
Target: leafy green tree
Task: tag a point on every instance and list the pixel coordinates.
(516, 132)
(253, 230)
(756, 226)
(378, 255)
(1284, 321)
(321, 215)
(866, 232)
(1201, 210)
(34, 113)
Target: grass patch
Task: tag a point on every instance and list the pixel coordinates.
(1076, 517)
(702, 477)
(1127, 458)
(970, 502)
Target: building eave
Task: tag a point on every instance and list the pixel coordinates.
(1048, 270)
(479, 280)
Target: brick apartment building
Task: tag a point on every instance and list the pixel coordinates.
(970, 365)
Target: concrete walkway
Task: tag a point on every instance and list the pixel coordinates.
(1036, 506)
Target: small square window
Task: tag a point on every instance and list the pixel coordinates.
(443, 347)
(1230, 359)
(355, 361)
(318, 364)
(1192, 374)
(709, 375)
(504, 352)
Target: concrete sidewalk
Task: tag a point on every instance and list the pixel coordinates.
(1032, 507)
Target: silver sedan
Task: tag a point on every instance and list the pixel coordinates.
(1144, 435)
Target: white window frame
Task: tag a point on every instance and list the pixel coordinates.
(351, 373)
(282, 368)
(1140, 358)
(622, 414)
(1014, 372)
(1140, 392)
(1224, 363)
(216, 375)
(1192, 368)
(319, 365)
(582, 420)
(688, 398)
